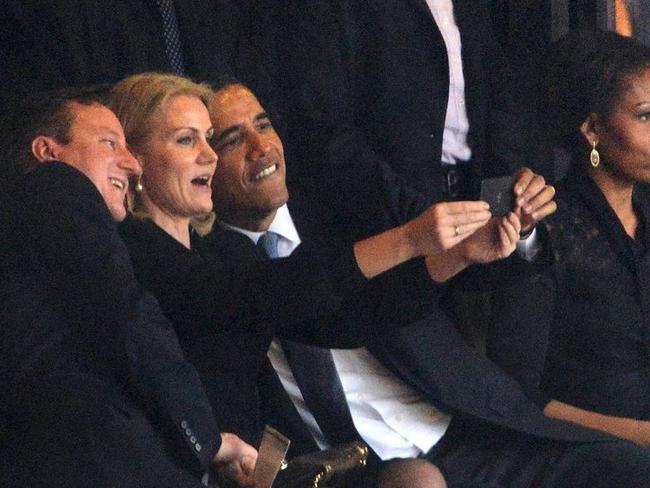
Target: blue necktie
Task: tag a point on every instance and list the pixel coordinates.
(269, 242)
(171, 36)
(316, 376)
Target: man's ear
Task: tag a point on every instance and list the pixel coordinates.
(590, 128)
(45, 148)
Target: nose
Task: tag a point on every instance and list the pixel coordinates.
(259, 145)
(208, 156)
(128, 162)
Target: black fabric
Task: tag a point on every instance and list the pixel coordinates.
(84, 344)
(322, 390)
(56, 43)
(478, 454)
(587, 341)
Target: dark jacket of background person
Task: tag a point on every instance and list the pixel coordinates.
(367, 87)
(226, 314)
(584, 337)
(54, 43)
(95, 386)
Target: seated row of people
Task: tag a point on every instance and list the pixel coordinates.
(112, 387)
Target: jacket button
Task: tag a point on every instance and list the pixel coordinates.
(188, 432)
(197, 446)
(193, 439)
(183, 424)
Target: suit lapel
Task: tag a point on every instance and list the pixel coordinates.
(422, 6)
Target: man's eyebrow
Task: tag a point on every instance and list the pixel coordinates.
(110, 131)
(227, 132)
(262, 115)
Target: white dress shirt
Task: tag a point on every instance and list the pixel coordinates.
(454, 136)
(394, 419)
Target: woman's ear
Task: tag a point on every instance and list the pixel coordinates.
(590, 128)
(45, 148)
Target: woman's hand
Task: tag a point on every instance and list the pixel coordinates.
(434, 231)
(533, 199)
(443, 225)
(494, 241)
(236, 460)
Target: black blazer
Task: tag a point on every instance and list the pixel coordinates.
(226, 311)
(586, 342)
(73, 308)
(366, 87)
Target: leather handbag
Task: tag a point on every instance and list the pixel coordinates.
(324, 469)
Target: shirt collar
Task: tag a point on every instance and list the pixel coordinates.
(282, 225)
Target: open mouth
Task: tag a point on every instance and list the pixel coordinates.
(201, 181)
(119, 184)
(265, 172)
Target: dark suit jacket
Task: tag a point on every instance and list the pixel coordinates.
(429, 355)
(74, 316)
(366, 87)
(584, 337)
(225, 311)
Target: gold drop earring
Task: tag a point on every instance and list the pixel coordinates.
(594, 155)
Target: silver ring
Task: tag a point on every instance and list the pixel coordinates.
(456, 231)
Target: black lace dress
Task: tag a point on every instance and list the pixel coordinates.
(579, 333)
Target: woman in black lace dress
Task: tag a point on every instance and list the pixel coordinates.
(580, 333)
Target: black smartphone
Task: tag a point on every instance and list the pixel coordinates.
(498, 192)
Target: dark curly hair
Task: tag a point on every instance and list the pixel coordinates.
(586, 72)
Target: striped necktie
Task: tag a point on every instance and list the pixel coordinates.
(269, 242)
(171, 36)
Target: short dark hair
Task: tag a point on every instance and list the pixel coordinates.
(586, 72)
(225, 81)
(44, 113)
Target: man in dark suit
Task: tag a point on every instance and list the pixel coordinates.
(397, 104)
(96, 391)
(418, 391)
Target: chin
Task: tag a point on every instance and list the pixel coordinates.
(202, 210)
(119, 214)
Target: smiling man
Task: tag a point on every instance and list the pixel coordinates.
(96, 389)
(252, 185)
(413, 392)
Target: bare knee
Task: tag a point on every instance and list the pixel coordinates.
(411, 473)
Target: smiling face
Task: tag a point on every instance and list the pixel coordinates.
(624, 135)
(249, 184)
(97, 148)
(178, 162)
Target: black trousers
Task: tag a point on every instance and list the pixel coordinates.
(77, 431)
(476, 454)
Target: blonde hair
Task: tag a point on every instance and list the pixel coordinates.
(137, 99)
